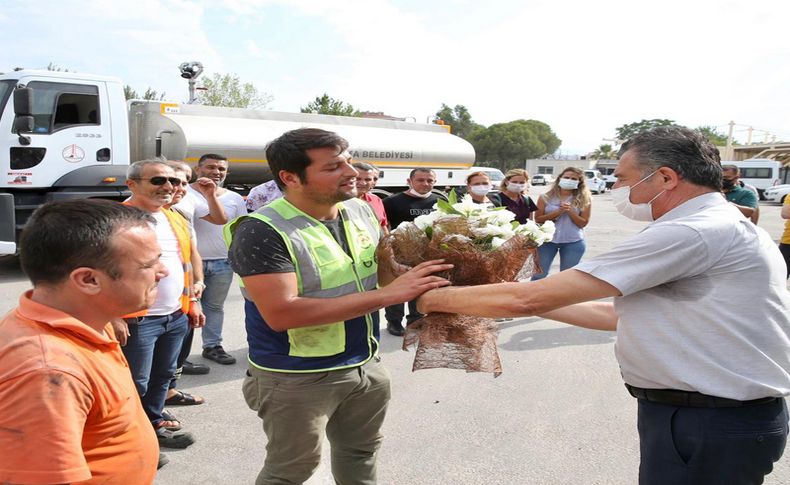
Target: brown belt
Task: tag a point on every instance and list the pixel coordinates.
(675, 397)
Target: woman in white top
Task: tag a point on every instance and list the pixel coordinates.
(567, 203)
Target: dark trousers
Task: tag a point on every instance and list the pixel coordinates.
(186, 349)
(701, 446)
(785, 250)
(394, 313)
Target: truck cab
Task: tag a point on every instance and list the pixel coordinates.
(57, 143)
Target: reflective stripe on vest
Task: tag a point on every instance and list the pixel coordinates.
(323, 269)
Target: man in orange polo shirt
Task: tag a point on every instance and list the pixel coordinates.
(69, 411)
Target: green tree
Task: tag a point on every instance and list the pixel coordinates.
(627, 131)
(459, 119)
(326, 105)
(228, 90)
(718, 139)
(604, 152)
(509, 145)
(130, 93)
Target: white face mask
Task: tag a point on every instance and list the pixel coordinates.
(417, 194)
(569, 184)
(480, 189)
(621, 197)
(514, 187)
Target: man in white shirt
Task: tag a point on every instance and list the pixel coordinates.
(701, 310)
(217, 274)
(152, 339)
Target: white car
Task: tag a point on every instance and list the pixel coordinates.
(777, 193)
(595, 181)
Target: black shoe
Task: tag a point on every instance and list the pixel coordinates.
(163, 460)
(218, 355)
(174, 439)
(395, 329)
(195, 369)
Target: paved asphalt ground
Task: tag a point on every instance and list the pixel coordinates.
(559, 414)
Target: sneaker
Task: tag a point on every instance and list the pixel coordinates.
(174, 439)
(218, 355)
(395, 329)
(195, 369)
(163, 460)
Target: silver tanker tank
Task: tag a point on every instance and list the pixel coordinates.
(185, 132)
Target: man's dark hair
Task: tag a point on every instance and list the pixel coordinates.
(687, 152)
(289, 151)
(426, 170)
(62, 236)
(210, 156)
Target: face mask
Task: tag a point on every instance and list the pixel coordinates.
(518, 188)
(569, 184)
(480, 189)
(417, 194)
(727, 184)
(621, 197)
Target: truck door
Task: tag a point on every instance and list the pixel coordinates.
(69, 133)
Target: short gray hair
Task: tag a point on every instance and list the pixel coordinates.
(135, 170)
(181, 166)
(731, 167)
(364, 166)
(688, 152)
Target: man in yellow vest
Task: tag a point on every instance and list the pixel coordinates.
(308, 267)
(152, 339)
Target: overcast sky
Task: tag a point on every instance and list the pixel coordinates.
(584, 67)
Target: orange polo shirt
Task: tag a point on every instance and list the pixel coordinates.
(69, 410)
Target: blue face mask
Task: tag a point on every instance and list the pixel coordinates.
(569, 184)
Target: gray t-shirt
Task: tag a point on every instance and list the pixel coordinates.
(705, 305)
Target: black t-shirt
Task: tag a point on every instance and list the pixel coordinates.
(257, 248)
(403, 207)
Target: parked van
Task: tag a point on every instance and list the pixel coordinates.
(494, 175)
(761, 173)
(595, 181)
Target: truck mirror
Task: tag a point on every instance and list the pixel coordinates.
(24, 124)
(23, 102)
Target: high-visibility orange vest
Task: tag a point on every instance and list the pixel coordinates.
(180, 227)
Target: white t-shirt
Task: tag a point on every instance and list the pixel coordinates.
(170, 288)
(705, 305)
(210, 243)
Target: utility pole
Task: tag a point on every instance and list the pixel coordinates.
(749, 136)
(730, 155)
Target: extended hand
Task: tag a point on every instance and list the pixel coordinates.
(417, 281)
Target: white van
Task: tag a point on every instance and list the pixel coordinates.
(494, 175)
(760, 172)
(595, 181)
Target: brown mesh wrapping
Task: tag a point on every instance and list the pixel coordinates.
(453, 341)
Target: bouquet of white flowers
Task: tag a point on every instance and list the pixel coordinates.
(485, 245)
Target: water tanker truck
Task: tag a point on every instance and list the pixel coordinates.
(71, 135)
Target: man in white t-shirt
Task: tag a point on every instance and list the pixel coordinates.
(152, 339)
(217, 274)
(701, 310)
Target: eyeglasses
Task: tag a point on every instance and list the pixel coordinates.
(174, 181)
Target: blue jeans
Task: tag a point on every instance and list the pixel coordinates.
(570, 255)
(217, 276)
(707, 446)
(151, 350)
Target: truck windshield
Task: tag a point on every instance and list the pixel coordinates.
(6, 88)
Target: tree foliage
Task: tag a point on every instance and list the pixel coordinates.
(718, 139)
(604, 152)
(509, 145)
(228, 90)
(459, 119)
(130, 93)
(627, 131)
(326, 105)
